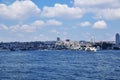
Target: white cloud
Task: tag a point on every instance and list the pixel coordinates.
(97, 3)
(109, 14)
(62, 11)
(103, 9)
(55, 31)
(27, 27)
(85, 24)
(19, 10)
(3, 27)
(100, 25)
(22, 28)
(38, 23)
(53, 22)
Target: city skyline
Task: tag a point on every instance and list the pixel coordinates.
(45, 20)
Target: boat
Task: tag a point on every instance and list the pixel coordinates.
(91, 49)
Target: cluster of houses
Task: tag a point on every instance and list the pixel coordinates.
(16, 46)
(38, 45)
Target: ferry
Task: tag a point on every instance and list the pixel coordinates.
(91, 49)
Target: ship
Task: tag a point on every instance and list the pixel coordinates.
(91, 49)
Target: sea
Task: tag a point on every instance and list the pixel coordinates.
(60, 65)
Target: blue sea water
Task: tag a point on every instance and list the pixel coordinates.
(60, 65)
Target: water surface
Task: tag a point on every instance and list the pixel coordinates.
(60, 65)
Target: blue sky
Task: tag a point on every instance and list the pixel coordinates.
(42, 20)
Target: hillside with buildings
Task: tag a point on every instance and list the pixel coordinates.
(59, 45)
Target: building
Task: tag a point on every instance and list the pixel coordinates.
(58, 38)
(117, 37)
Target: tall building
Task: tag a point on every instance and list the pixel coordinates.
(117, 40)
(58, 38)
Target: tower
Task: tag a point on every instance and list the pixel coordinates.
(58, 38)
(117, 40)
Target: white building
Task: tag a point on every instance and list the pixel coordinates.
(69, 44)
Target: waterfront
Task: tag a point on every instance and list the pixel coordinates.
(60, 65)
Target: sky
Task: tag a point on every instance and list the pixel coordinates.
(45, 20)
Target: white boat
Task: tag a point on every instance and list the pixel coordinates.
(92, 49)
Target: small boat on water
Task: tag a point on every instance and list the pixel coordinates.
(91, 49)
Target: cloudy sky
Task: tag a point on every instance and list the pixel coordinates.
(41, 20)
